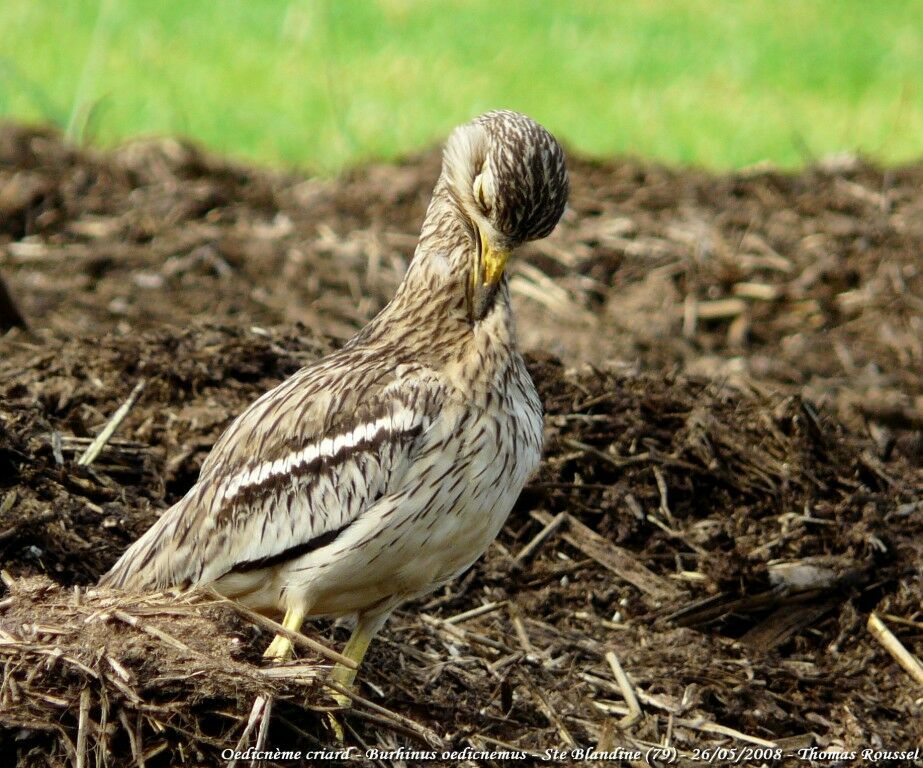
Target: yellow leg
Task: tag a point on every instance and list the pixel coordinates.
(367, 627)
(281, 648)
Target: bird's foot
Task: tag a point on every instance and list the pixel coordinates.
(343, 678)
(341, 699)
(280, 649)
(344, 701)
(333, 721)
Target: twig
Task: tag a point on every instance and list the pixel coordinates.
(115, 420)
(259, 706)
(643, 697)
(119, 669)
(428, 735)
(690, 315)
(698, 724)
(466, 636)
(8, 501)
(616, 461)
(300, 672)
(264, 725)
(628, 692)
(720, 309)
(372, 717)
(757, 291)
(552, 716)
(673, 534)
(521, 634)
(57, 450)
(707, 726)
(540, 537)
(103, 729)
(896, 648)
(83, 717)
(616, 559)
(57, 654)
(901, 620)
(134, 737)
(479, 611)
(127, 691)
(154, 632)
(154, 751)
(355, 734)
(662, 488)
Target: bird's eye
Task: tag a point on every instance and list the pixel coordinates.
(479, 193)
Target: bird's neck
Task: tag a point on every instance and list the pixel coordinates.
(429, 314)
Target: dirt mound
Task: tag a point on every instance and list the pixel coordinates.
(133, 677)
(731, 484)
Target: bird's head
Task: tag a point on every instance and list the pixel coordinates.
(508, 177)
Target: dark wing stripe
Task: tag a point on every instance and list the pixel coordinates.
(288, 554)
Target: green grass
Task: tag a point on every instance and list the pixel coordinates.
(326, 83)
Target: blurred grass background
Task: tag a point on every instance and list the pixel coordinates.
(321, 84)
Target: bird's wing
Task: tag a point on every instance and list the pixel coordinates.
(288, 475)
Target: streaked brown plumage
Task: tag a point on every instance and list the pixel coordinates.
(386, 469)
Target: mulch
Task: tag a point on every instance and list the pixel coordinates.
(732, 371)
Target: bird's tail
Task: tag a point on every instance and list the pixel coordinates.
(148, 564)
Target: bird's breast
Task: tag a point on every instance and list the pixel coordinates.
(496, 452)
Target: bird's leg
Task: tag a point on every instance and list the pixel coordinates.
(281, 648)
(367, 627)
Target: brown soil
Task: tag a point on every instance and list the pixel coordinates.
(732, 370)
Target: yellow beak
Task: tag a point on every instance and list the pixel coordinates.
(485, 278)
(494, 262)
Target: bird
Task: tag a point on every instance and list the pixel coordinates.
(383, 471)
